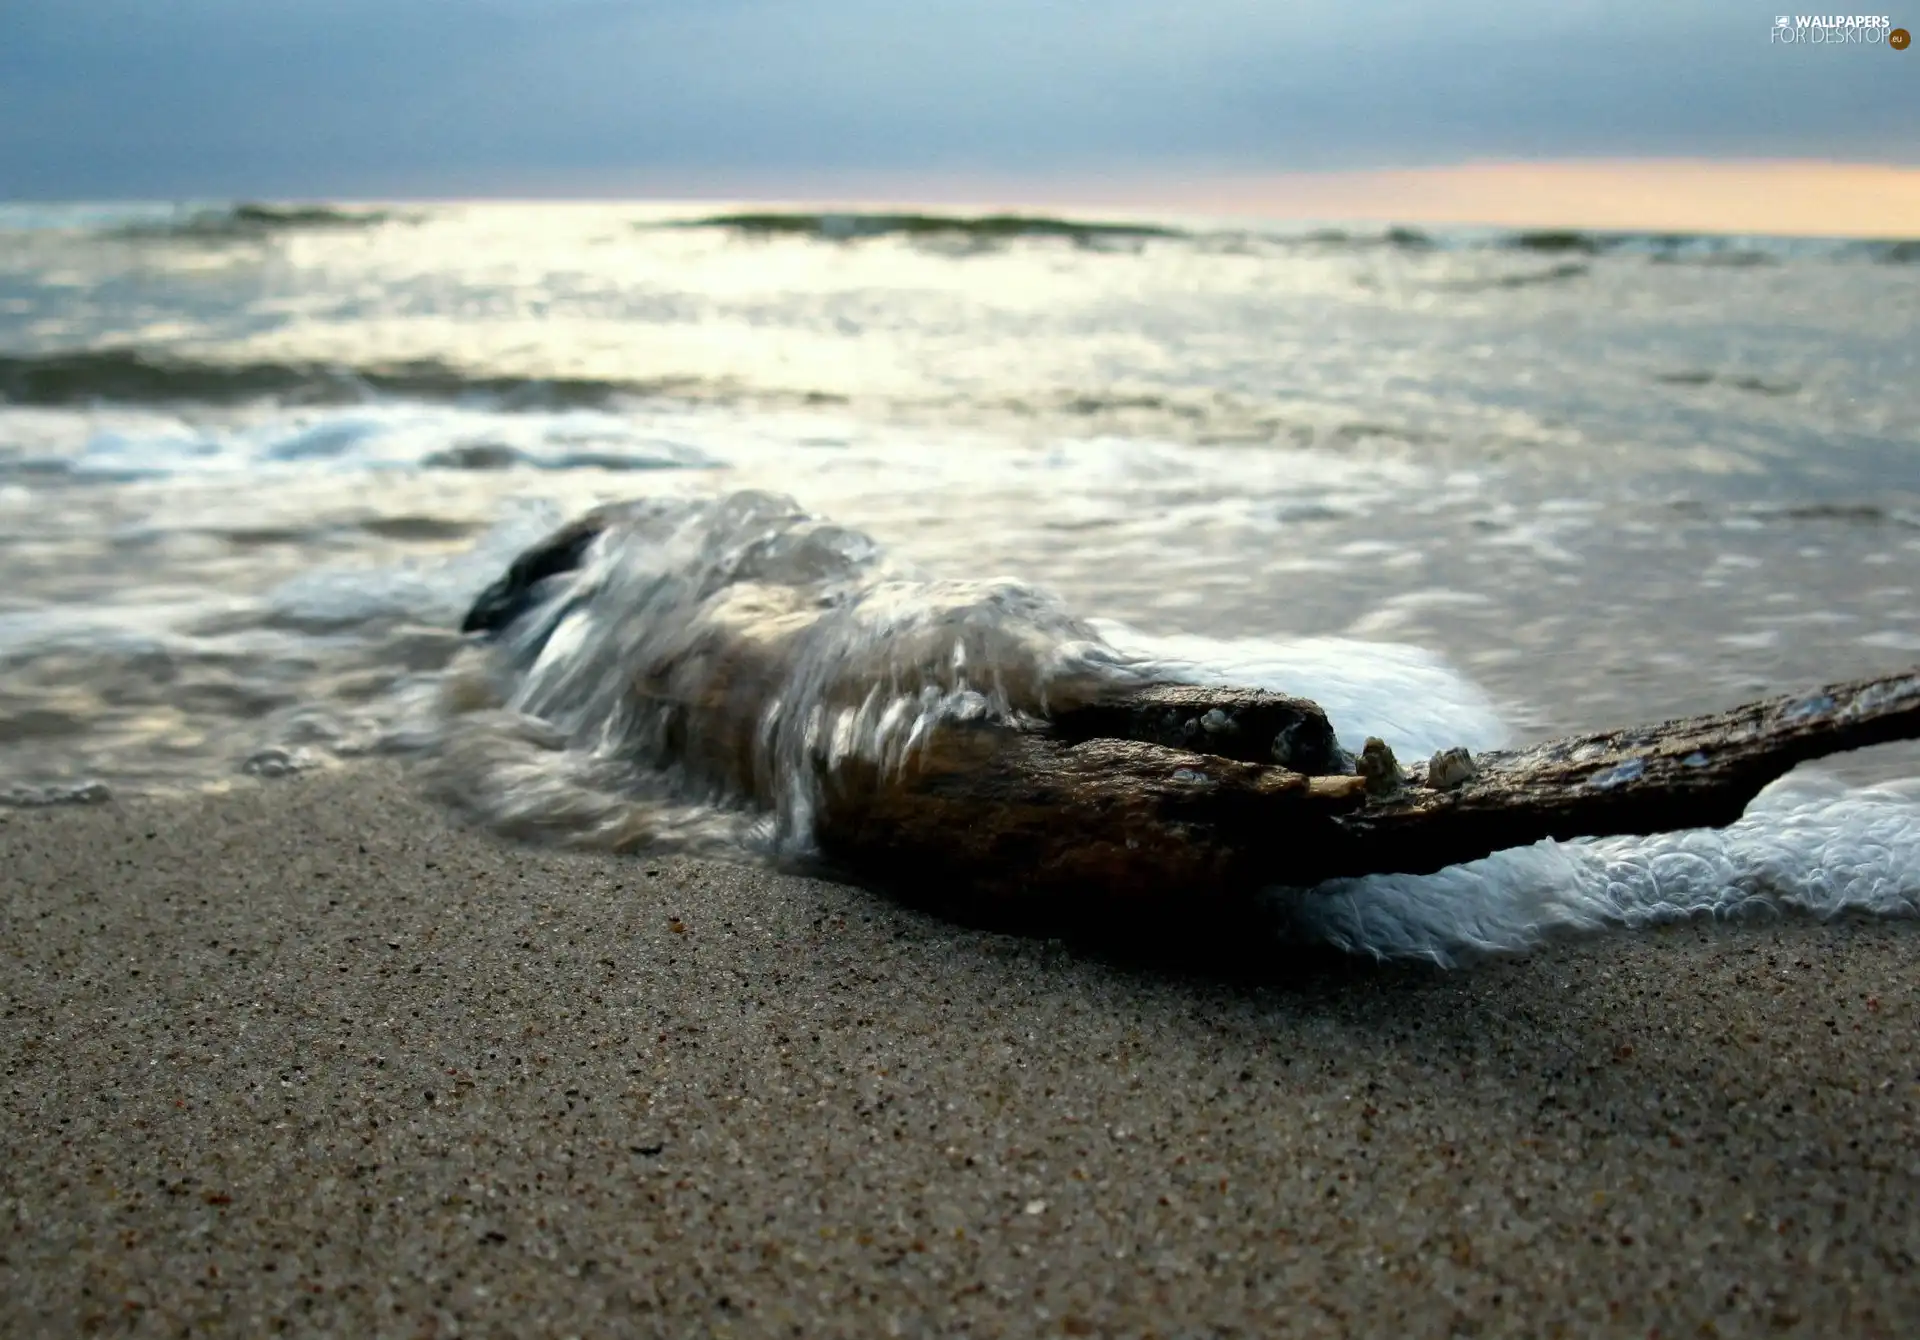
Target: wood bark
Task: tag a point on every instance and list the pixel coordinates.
(1050, 812)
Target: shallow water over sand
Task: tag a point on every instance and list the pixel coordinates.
(253, 465)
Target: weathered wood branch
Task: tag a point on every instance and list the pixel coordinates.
(1015, 815)
(1696, 772)
(1045, 812)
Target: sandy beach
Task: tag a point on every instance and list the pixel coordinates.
(314, 1056)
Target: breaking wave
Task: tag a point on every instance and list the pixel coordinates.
(1711, 249)
(565, 725)
(253, 220)
(963, 234)
(556, 728)
(129, 375)
(849, 227)
(1553, 274)
(1558, 241)
(370, 437)
(1708, 248)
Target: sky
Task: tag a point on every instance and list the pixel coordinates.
(123, 99)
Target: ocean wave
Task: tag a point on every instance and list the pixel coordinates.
(1558, 241)
(1407, 238)
(984, 228)
(569, 723)
(1220, 241)
(1553, 274)
(1903, 252)
(257, 221)
(489, 456)
(131, 375)
(1664, 248)
(963, 234)
(391, 435)
(1671, 248)
(1711, 249)
(1844, 513)
(1726, 257)
(1315, 241)
(1667, 248)
(1734, 381)
(251, 221)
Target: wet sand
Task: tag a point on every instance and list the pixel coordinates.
(312, 1055)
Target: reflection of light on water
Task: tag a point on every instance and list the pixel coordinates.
(1238, 434)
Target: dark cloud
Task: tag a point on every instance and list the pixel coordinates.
(353, 97)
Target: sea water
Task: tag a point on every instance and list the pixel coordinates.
(1465, 487)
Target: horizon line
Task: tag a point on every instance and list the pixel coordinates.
(1744, 196)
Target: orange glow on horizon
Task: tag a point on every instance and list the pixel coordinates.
(1781, 197)
(1787, 198)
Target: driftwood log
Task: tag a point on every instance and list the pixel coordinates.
(1173, 789)
(1101, 803)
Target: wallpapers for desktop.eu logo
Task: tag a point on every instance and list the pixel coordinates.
(1861, 30)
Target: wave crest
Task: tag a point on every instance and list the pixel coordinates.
(132, 375)
(251, 221)
(984, 228)
(572, 722)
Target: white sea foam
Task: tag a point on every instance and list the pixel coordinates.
(1406, 695)
(371, 437)
(1808, 845)
(855, 655)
